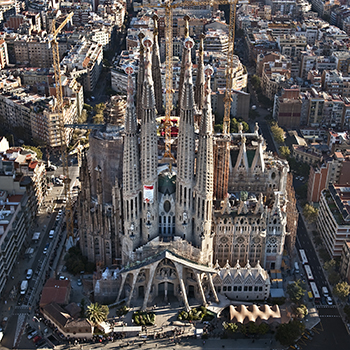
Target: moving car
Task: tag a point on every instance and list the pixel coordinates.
(29, 274)
(46, 248)
(329, 301)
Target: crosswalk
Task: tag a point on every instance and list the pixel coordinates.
(326, 306)
(321, 316)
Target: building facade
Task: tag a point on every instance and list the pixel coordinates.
(168, 215)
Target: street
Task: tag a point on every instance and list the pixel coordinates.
(18, 309)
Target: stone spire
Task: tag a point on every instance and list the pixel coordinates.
(258, 164)
(186, 150)
(140, 78)
(131, 162)
(149, 151)
(157, 79)
(205, 175)
(199, 89)
(183, 68)
(242, 159)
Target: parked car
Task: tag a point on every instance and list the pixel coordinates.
(79, 282)
(36, 339)
(32, 335)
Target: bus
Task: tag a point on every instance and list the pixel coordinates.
(308, 271)
(315, 292)
(303, 257)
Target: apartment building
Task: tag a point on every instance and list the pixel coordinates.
(25, 163)
(342, 60)
(307, 62)
(345, 262)
(315, 108)
(287, 108)
(35, 51)
(275, 76)
(17, 212)
(216, 40)
(4, 59)
(36, 114)
(306, 154)
(334, 169)
(85, 59)
(291, 45)
(333, 220)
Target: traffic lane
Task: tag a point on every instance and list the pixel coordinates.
(268, 137)
(324, 310)
(10, 331)
(303, 241)
(331, 333)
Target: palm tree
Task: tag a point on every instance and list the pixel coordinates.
(97, 313)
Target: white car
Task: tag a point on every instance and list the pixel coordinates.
(32, 334)
(329, 301)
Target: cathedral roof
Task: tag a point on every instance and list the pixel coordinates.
(171, 256)
(167, 183)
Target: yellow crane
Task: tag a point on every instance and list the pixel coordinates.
(168, 33)
(59, 110)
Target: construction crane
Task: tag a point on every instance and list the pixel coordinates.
(168, 33)
(59, 110)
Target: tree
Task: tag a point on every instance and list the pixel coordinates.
(97, 313)
(230, 327)
(235, 124)
(342, 290)
(288, 333)
(301, 311)
(277, 133)
(263, 328)
(329, 265)
(39, 153)
(252, 328)
(296, 291)
(310, 213)
(83, 117)
(284, 151)
(255, 80)
(88, 107)
(218, 128)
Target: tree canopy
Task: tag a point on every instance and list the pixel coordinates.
(284, 151)
(310, 213)
(342, 290)
(97, 313)
(296, 291)
(277, 133)
(288, 333)
(235, 124)
(39, 153)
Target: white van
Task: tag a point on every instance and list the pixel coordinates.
(51, 233)
(296, 267)
(325, 291)
(29, 274)
(24, 286)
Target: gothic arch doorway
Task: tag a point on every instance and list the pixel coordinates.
(161, 289)
(141, 291)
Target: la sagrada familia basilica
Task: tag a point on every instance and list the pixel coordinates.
(161, 230)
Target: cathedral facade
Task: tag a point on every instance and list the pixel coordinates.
(159, 214)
